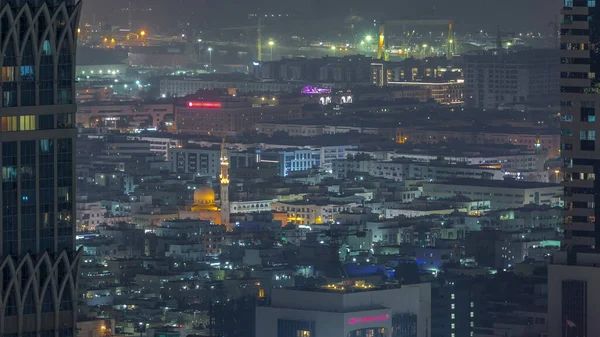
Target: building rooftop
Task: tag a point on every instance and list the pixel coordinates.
(517, 184)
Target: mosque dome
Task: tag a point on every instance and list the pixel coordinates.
(204, 195)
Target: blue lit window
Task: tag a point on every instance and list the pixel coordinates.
(591, 3)
(47, 48)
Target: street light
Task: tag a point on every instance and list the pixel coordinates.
(334, 49)
(210, 59)
(271, 44)
(199, 51)
(368, 38)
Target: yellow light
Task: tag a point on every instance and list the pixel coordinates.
(78, 30)
(105, 39)
(271, 43)
(332, 47)
(143, 33)
(451, 41)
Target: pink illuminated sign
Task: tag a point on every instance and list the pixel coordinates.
(368, 319)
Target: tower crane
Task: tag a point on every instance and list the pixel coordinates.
(381, 41)
(258, 28)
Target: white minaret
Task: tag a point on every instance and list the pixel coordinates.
(224, 177)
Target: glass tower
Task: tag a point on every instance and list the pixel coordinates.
(38, 264)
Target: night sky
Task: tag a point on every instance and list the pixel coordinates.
(469, 14)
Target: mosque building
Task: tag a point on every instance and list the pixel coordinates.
(205, 206)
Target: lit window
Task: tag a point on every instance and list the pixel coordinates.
(452, 306)
(452, 316)
(452, 296)
(9, 124)
(472, 324)
(27, 123)
(302, 333)
(8, 74)
(452, 326)
(472, 305)
(472, 314)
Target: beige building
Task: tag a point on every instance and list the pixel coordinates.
(502, 194)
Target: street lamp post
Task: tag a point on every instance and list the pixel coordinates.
(199, 51)
(210, 59)
(271, 44)
(334, 50)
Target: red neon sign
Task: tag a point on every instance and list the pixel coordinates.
(368, 319)
(208, 105)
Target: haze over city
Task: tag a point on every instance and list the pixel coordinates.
(263, 168)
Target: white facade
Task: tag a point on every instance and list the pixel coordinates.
(184, 87)
(251, 206)
(502, 194)
(89, 215)
(159, 145)
(321, 312)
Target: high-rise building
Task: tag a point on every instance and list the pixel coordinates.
(573, 275)
(38, 262)
(580, 78)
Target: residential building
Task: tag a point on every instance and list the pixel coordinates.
(578, 125)
(181, 87)
(504, 77)
(121, 115)
(37, 241)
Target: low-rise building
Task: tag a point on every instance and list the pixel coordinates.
(501, 193)
(348, 309)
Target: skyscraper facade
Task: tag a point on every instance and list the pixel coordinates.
(580, 96)
(574, 275)
(38, 262)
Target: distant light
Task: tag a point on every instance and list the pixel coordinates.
(208, 105)
(255, 63)
(271, 43)
(368, 37)
(209, 48)
(199, 40)
(332, 47)
(163, 96)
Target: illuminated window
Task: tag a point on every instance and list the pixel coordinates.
(452, 335)
(302, 333)
(472, 314)
(472, 324)
(8, 74)
(452, 306)
(27, 123)
(9, 124)
(452, 296)
(452, 316)
(472, 304)
(452, 326)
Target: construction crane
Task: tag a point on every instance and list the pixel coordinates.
(258, 28)
(381, 42)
